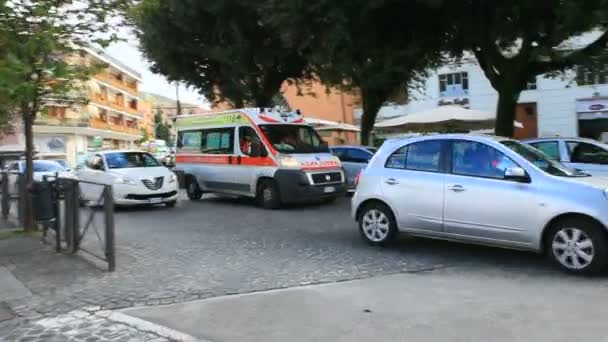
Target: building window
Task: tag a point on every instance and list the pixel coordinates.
(531, 85)
(591, 76)
(454, 84)
(133, 104)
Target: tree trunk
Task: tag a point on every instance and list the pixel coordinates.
(28, 122)
(372, 102)
(505, 111)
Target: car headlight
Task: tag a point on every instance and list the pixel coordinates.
(124, 180)
(172, 178)
(289, 162)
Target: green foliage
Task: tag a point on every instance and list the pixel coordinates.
(514, 41)
(379, 48)
(40, 53)
(161, 127)
(223, 48)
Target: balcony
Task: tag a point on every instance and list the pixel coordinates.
(130, 87)
(100, 124)
(86, 123)
(121, 107)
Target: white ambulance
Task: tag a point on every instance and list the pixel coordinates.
(267, 154)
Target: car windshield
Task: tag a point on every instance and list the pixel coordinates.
(372, 149)
(47, 166)
(62, 163)
(125, 160)
(294, 138)
(541, 160)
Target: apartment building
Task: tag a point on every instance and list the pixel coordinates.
(572, 104)
(110, 119)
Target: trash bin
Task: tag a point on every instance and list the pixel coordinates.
(42, 201)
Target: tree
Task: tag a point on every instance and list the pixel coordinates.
(221, 47)
(376, 48)
(40, 59)
(161, 128)
(514, 41)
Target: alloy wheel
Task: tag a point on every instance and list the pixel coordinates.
(573, 248)
(375, 225)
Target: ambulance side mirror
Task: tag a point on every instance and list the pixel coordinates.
(324, 146)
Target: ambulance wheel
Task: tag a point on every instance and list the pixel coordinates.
(268, 195)
(193, 191)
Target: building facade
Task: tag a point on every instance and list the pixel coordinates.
(110, 119)
(572, 104)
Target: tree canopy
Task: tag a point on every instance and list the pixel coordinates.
(377, 48)
(40, 56)
(223, 48)
(514, 41)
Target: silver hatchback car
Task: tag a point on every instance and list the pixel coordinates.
(484, 190)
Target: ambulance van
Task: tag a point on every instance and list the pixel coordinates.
(267, 154)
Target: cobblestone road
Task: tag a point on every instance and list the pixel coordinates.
(222, 246)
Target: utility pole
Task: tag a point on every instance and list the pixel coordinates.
(179, 106)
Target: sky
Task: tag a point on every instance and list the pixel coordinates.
(128, 53)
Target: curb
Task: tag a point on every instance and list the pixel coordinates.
(146, 326)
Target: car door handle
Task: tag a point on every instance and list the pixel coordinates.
(391, 181)
(457, 188)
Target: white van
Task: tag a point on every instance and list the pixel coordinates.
(270, 155)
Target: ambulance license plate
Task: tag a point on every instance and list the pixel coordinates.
(329, 189)
(155, 200)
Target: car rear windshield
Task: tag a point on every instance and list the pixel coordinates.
(44, 166)
(541, 160)
(294, 138)
(125, 160)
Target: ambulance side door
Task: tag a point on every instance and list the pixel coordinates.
(216, 173)
(252, 157)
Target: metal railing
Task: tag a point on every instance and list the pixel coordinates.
(73, 227)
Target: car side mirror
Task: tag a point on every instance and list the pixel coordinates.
(517, 174)
(324, 146)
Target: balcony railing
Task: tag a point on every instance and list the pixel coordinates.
(100, 124)
(122, 107)
(63, 122)
(120, 84)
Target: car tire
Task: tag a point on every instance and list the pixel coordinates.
(577, 245)
(171, 204)
(268, 195)
(193, 190)
(377, 224)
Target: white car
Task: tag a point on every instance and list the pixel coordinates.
(41, 168)
(136, 177)
(583, 154)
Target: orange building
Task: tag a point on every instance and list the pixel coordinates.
(333, 111)
(110, 119)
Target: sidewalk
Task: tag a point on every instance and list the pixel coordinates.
(18, 322)
(438, 306)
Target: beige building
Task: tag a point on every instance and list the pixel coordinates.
(111, 119)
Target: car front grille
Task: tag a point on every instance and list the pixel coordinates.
(147, 197)
(153, 184)
(326, 178)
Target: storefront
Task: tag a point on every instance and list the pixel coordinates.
(592, 116)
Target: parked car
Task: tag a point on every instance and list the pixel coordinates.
(354, 159)
(136, 178)
(484, 190)
(41, 168)
(588, 155)
(64, 163)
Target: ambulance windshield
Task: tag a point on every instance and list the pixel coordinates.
(294, 138)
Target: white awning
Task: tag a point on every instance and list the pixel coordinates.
(439, 114)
